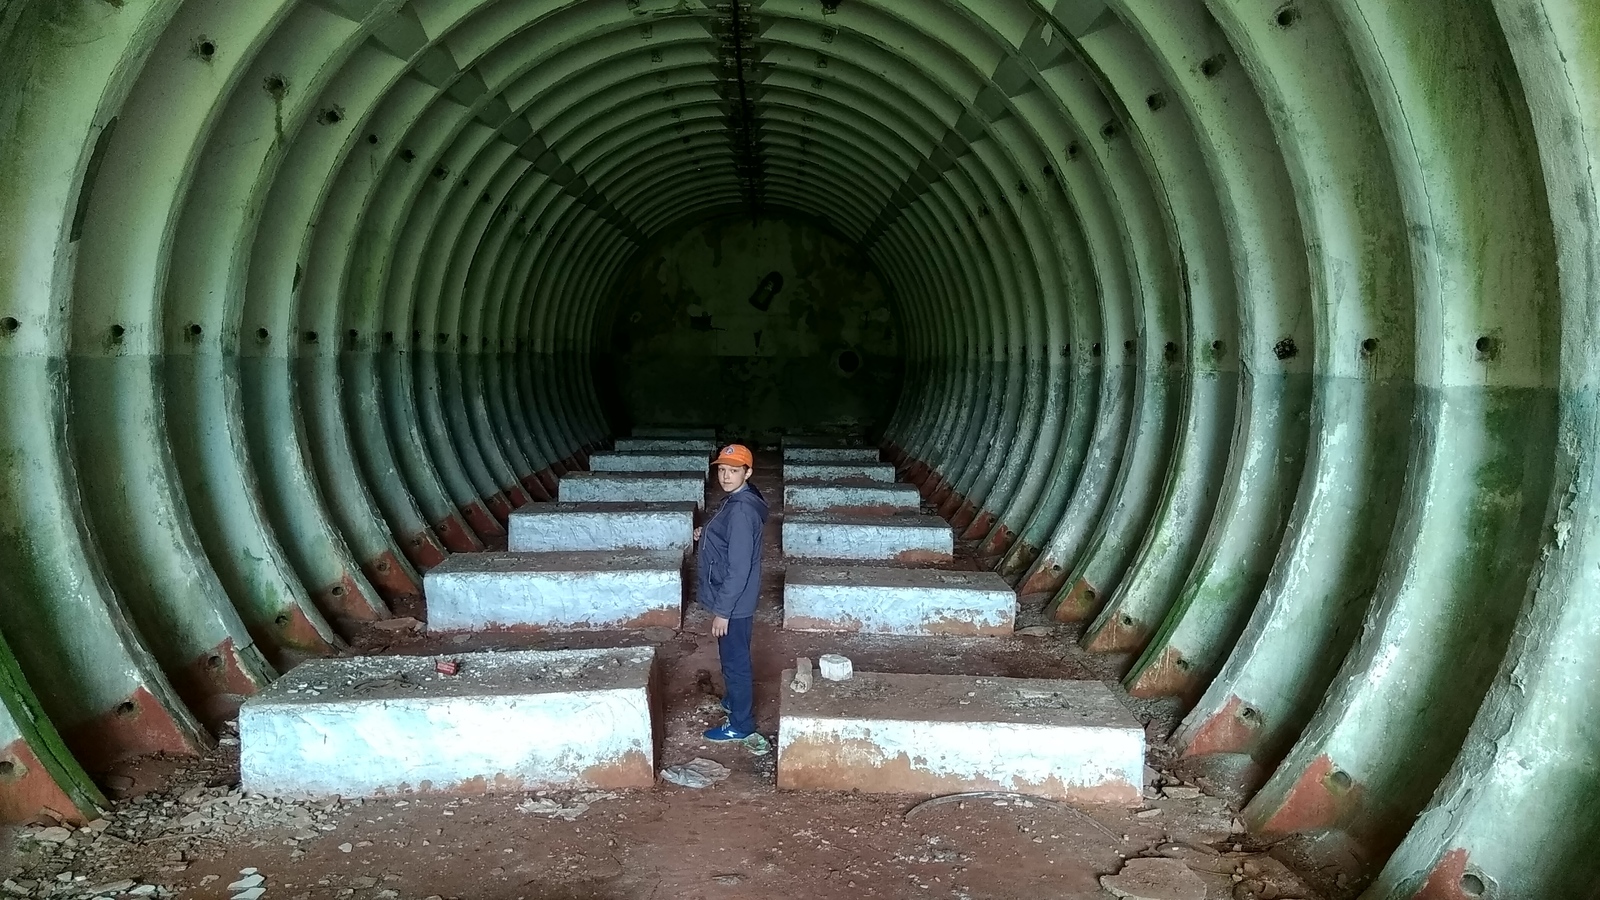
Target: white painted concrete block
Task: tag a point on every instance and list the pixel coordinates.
(632, 487)
(527, 720)
(881, 600)
(555, 591)
(696, 446)
(567, 527)
(858, 495)
(660, 461)
(839, 471)
(901, 538)
(794, 455)
(941, 734)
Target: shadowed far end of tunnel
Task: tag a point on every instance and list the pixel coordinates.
(1257, 336)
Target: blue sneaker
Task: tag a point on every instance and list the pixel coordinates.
(724, 735)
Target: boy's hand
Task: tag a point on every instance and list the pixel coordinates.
(719, 627)
(697, 534)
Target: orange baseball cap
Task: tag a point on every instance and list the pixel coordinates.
(735, 455)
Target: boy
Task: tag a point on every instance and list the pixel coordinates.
(730, 581)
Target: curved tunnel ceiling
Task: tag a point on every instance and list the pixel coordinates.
(1258, 335)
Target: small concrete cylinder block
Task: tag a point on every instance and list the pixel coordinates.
(835, 667)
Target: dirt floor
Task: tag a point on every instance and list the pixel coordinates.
(181, 827)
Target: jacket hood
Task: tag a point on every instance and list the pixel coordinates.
(753, 496)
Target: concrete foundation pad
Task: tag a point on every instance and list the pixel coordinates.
(793, 455)
(876, 600)
(696, 446)
(943, 734)
(858, 495)
(555, 591)
(899, 538)
(567, 527)
(506, 722)
(633, 487)
(650, 462)
(839, 471)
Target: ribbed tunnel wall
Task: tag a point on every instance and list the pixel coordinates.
(1261, 336)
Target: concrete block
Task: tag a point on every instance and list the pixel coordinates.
(943, 734)
(555, 591)
(856, 495)
(702, 448)
(566, 527)
(793, 455)
(839, 471)
(528, 720)
(900, 538)
(650, 462)
(878, 600)
(835, 667)
(633, 487)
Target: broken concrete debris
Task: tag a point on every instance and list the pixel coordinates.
(1156, 878)
(697, 773)
(802, 675)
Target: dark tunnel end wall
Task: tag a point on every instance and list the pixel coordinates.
(759, 328)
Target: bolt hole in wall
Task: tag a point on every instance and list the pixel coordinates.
(760, 328)
(205, 48)
(9, 325)
(1287, 16)
(117, 334)
(126, 708)
(1472, 885)
(7, 768)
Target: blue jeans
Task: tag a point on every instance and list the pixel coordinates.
(734, 650)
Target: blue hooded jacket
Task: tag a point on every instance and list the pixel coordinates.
(730, 555)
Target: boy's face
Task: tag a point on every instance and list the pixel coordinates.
(731, 478)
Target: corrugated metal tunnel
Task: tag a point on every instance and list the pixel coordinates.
(1261, 335)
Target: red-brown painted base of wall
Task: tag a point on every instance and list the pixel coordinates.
(999, 542)
(457, 536)
(482, 522)
(1047, 578)
(979, 528)
(390, 578)
(214, 685)
(536, 489)
(138, 726)
(29, 790)
(499, 507)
